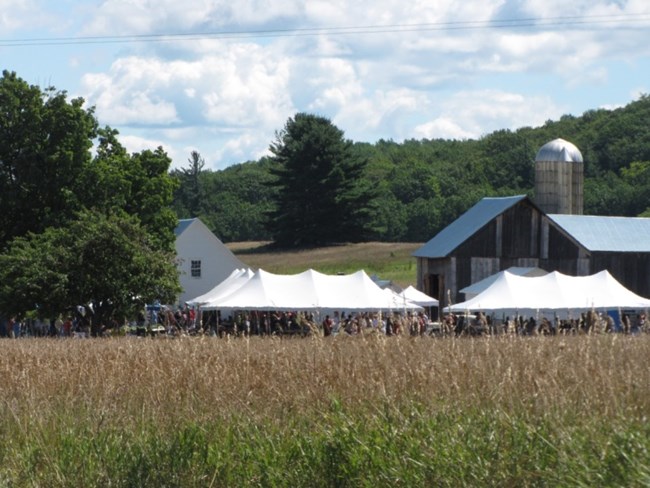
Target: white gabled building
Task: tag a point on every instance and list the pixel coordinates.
(203, 260)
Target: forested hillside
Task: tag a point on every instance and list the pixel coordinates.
(422, 185)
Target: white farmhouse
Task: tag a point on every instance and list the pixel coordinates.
(203, 260)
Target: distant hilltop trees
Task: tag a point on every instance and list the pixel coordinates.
(408, 191)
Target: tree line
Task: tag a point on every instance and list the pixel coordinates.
(318, 187)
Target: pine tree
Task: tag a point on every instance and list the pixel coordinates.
(323, 196)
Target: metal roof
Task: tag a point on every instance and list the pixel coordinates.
(559, 150)
(465, 226)
(616, 234)
(182, 225)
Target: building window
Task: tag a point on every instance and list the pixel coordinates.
(195, 268)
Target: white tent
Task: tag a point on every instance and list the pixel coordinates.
(400, 302)
(554, 291)
(233, 282)
(475, 288)
(416, 296)
(309, 290)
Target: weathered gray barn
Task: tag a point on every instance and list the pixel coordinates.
(498, 233)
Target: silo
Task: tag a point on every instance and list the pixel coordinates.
(559, 177)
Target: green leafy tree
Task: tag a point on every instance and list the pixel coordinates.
(509, 160)
(238, 200)
(45, 142)
(151, 195)
(323, 196)
(390, 218)
(48, 173)
(607, 195)
(138, 184)
(108, 263)
(637, 176)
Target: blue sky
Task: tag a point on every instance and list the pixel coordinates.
(222, 77)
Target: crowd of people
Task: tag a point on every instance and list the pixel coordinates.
(61, 326)
(590, 322)
(193, 321)
(294, 323)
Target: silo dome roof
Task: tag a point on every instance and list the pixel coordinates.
(559, 150)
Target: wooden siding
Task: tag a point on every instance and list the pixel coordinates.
(520, 225)
(510, 235)
(559, 246)
(632, 270)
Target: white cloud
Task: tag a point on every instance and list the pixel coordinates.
(476, 113)
(242, 88)
(134, 143)
(248, 87)
(441, 128)
(130, 93)
(18, 15)
(245, 146)
(114, 17)
(228, 96)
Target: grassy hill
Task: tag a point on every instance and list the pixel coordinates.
(391, 261)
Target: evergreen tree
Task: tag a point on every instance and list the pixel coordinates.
(322, 195)
(189, 195)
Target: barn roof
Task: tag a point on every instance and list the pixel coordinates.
(466, 225)
(613, 234)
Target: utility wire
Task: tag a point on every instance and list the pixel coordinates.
(620, 21)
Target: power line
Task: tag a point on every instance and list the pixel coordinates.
(622, 21)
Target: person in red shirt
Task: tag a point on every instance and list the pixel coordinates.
(67, 327)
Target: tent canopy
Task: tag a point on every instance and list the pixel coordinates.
(476, 288)
(309, 290)
(400, 302)
(233, 282)
(416, 296)
(554, 291)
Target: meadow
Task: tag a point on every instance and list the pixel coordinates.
(339, 411)
(389, 260)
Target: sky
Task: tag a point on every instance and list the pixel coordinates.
(223, 77)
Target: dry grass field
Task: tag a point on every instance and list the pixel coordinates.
(339, 411)
(599, 375)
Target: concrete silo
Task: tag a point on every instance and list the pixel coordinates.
(559, 178)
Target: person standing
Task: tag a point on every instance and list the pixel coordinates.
(14, 328)
(327, 326)
(67, 327)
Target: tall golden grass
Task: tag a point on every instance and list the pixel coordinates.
(128, 380)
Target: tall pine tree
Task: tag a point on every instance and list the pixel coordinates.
(322, 196)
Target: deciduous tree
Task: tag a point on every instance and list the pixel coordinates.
(45, 142)
(109, 264)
